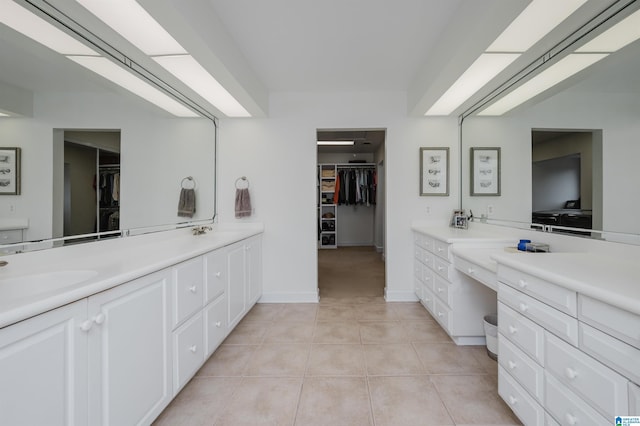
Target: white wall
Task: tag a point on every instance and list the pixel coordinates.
(615, 114)
(157, 153)
(278, 156)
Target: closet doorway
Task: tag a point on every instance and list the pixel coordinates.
(350, 213)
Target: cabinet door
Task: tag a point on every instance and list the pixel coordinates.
(130, 352)
(237, 281)
(254, 270)
(43, 369)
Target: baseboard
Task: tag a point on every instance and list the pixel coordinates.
(469, 340)
(292, 297)
(400, 296)
(355, 244)
(380, 249)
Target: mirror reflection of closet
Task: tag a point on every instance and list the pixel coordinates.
(91, 182)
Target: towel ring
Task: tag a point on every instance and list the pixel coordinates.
(242, 178)
(188, 178)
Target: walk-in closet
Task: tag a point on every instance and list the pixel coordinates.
(350, 211)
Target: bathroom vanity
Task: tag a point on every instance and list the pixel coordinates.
(568, 322)
(109, 332)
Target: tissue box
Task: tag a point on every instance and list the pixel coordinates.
(537, 247)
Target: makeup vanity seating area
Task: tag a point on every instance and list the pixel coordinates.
(109, 332)
(568, 321)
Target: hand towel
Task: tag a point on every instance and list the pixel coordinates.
(243, 203)
(187, 202)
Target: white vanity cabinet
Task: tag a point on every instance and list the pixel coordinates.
(245, 278)
(43, 369)
(458, 302)
(560, 356)
(130, 351)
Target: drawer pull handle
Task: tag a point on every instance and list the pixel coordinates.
(440, 314)
(218, 324)
(86, 325)
(572, 420)
(522, 283)
(513, 400)
(472, 271)
(512, 365)
(440, 268)
(523, 307)
(512, 329)
(440, 249)
(439, 289)
(193, 348)
(193, 289)
(570, 373)
(218, 274)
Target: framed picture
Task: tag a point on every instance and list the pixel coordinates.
(485, 171)
(9, 171)
(434, 171)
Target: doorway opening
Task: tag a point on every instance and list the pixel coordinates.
(351, 212)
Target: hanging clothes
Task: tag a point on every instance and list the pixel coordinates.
(355, 186)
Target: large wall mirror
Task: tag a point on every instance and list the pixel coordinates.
(574, 149)
(51, 104)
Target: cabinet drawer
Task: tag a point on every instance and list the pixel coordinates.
(216, 273)
(559, 297)
(417, 288)
(442, 314)
(617, 322)
(429, 301)
(567, 407)
(623, 358)
(188, 351)
(418, 252)
(550, 421)
(525, 407)
(11, 236)
(634, 399)
(417, 269)
(442, 289)
(428, 278)
(215, 319)
(188, 289)
(528, 374)
(560, 324)
(481, 274)
(441, 249)
(600, 386)
(443, 268)
(423, 241)
(521, 331)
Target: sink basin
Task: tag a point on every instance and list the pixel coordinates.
(30, 285)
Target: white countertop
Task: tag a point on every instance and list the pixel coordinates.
(608, 279)
(457, 235)
(114, 261)
(482, 256)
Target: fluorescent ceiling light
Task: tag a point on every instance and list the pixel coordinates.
(190, 72)
(535, 21)
(2, 114)
(132, 22)
(36, 28)
(125, 79)
(486, 67)
(616, 37)
(344, 143)
(548, 78)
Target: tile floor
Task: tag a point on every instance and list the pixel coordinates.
(342, 362)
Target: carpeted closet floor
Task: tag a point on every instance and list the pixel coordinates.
(349, 272)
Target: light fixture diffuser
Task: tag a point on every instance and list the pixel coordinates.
(336, 143)
(135, 24)
(548, 78)
(36, 28)
(194, 75)
(125, 79)
(485, 68)
(616, 37)
(2, 114)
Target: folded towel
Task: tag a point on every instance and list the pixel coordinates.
(187, 202)
(243, 203)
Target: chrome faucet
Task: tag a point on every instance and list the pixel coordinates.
(199, 230)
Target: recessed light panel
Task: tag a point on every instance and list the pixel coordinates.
(616, 37)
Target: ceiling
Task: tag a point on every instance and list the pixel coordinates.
(255, 48)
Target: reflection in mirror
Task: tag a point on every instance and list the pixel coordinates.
(601, 103)
(56, 106)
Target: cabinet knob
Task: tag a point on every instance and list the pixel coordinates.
(193, 289)
(440, 249)
(512, 329)
(571, 419)
(440, 268)
(193, 348)
(99, 319)
(440, 314)
(522, 283)
(570, 373)
(86, 325)
(513, 400)
(218, 274)
(472, 271)
(439, 289)
(218, 324)
(426, 299)
(512, 365)
(523, 307)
